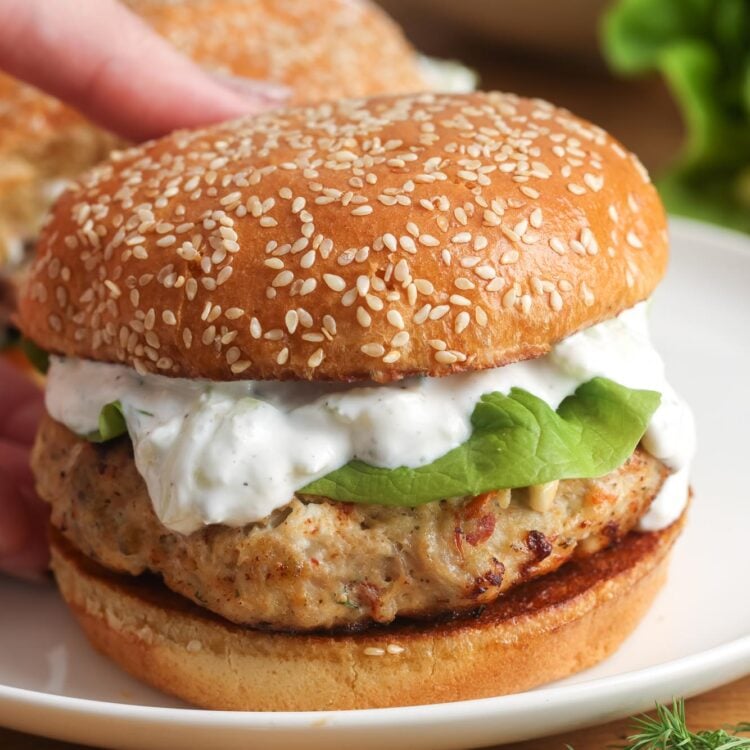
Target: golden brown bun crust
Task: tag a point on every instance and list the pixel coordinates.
(359, 239)
(319, 50)
(542, 631)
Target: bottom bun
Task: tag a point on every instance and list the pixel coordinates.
(540, 631)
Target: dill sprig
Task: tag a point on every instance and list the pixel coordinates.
(668, 730)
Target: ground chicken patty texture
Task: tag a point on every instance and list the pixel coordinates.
(318, 564)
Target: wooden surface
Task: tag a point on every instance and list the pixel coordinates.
(643, 116)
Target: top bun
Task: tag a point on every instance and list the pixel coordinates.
(321, 50)
(361, 239)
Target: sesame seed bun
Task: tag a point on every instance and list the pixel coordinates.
(362, 239)
(542, 631)
(319, 50)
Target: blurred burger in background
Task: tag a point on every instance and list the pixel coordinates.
(319, 51)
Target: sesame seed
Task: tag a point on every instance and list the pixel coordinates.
(114, 290)
(491, 218)
(395, 319)
(445, 358)
(593, 182)
(363, 285)
(457, 299)
(231, 198)
(284, 278)
(361, 211)
(558, 246)
(424, 286)
(462, 321)
(291, 320)
(485, 272)
(363, 317)
(390, 242)
(372, 651)
(421, 315)
(633, 240)
(407, 244)
(400, 339)
(224, 275)
(461, 238)
(428, 240)
(308, 287)
(316, 358)
(373, 350)
(333, 282)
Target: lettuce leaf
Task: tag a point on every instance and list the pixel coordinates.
(702, 48)
(37, 356)
(518, 440)
(111, 424)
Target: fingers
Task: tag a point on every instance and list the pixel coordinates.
(105, 61)
(21, 405)
(23, 517)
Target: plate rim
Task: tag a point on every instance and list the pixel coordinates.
(717, 665)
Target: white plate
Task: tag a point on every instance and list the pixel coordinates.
(697, 635)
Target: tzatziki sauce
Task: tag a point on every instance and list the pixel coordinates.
(233, 452)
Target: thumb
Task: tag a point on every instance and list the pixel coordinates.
(104, 60)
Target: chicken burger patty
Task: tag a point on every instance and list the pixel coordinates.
(316, 564)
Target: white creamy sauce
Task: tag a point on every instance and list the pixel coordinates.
(447, 76)
(232, 452)
(14, 251)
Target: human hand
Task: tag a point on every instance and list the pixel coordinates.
(106, 62)
(23, 517)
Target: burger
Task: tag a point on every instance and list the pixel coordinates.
(320, 51)
(354, 405)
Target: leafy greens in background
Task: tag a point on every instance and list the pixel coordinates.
(517, 441)
(702, 47)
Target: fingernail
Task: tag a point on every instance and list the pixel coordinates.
(252, 88)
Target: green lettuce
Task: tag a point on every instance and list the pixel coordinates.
(517, 441)
(111, 424)
(702, 48)
(38, 357)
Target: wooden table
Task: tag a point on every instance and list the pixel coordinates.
(642, 115)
